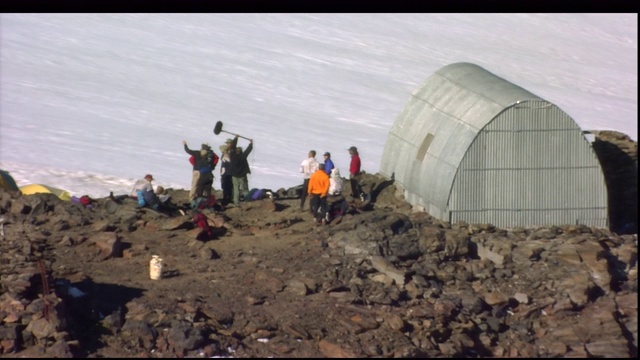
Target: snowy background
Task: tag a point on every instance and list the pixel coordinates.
(91, 102)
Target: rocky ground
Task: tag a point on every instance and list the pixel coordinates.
(385, 281)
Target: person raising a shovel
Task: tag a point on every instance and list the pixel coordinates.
(239, 169)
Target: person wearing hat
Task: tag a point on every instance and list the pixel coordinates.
(140, 187)
(240, 170)
(354, 171)
(203, 163)
(328, 163)
(226, 180)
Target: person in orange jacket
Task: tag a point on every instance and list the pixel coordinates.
(318, 189)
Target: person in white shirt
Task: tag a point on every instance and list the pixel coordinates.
(336, 182)
(140, 187)
(307, 168)
(143, 184)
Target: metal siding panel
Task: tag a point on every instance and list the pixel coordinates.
(531, 177)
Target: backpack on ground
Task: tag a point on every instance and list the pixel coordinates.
(202, 202)
(259, 194)
(256, 194)
(201, 221)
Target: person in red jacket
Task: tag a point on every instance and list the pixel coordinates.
(195, 177)
(204, 163)
(354, 171)
(318, 189)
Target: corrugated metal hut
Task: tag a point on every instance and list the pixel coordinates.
(471, 146)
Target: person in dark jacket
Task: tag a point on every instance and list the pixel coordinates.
(204, 163)
(239, 169)
(226, 180)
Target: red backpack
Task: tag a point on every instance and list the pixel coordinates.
(214, 161)
(201, 221)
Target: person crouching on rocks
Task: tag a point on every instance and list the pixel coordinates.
(140, 187)
(143, 192)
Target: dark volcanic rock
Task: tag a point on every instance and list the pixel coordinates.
(384, 281)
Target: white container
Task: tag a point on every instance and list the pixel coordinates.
(155, 267)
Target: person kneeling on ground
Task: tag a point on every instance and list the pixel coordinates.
(143, 192)
(140, 187)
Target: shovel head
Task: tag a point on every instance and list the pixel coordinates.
(218, 128)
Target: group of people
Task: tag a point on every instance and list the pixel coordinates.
(234, 171)
(322, 183)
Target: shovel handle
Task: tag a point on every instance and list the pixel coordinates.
(218, 129)
(236, 135)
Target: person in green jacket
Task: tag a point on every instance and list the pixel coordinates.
(239, 169)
